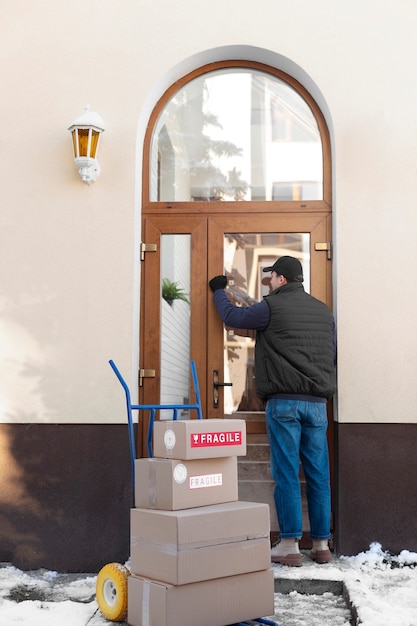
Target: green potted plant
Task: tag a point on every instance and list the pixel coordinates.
(172, 291)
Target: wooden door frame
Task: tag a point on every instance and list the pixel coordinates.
(206, 328)
(303, 209)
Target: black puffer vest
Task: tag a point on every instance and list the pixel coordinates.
(294, 355)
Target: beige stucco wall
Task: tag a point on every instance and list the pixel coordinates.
(69, 252)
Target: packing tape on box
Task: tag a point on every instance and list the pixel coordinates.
(152, 486)
(145, 602)
(155, 545)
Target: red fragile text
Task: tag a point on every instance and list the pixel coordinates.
(205, 440)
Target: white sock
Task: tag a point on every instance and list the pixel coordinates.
(287, 546)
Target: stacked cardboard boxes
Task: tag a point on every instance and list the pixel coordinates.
(199, 557)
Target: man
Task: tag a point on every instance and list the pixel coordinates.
(295, 357)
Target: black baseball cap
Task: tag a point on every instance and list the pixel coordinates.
(287, 266)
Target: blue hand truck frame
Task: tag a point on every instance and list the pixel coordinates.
(152, 408)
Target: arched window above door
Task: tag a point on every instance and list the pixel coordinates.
(238, 132)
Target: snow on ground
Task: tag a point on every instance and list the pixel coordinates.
(44, 598)
(296, 609)
(383, 590)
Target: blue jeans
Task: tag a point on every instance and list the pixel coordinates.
(297, 431)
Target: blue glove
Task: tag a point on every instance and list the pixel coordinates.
(218, 282)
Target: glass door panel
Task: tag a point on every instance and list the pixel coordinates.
(175, 322)
(242, 253)
(245, 256)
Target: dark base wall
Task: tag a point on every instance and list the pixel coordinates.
(65, 498)
(65, 493)
(376, 488)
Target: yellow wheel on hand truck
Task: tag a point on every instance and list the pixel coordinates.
(111, 591)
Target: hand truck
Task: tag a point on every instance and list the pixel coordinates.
(111, 586)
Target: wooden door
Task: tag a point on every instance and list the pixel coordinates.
(240, 245)
(171, 334)
(241, 248)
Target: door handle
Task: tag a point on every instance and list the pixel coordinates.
(216, 385)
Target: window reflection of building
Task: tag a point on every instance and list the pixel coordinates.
(236, 134)
(245, 257)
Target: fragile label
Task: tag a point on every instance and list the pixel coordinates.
(206, 480)
(207, 440)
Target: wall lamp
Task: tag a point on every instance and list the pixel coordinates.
(86, 131)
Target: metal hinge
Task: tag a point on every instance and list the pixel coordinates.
(147, 247)
(325, 246)
(145, 374)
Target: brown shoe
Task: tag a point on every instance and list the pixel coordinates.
(293, 560)
(321, 556)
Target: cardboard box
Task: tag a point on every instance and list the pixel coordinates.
(209, 603)
(199, 439)
(172, 484)
(181, 547)
(188, 566)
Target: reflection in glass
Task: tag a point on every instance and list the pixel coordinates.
(175, 322)
(236, 134)
(245, 256)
